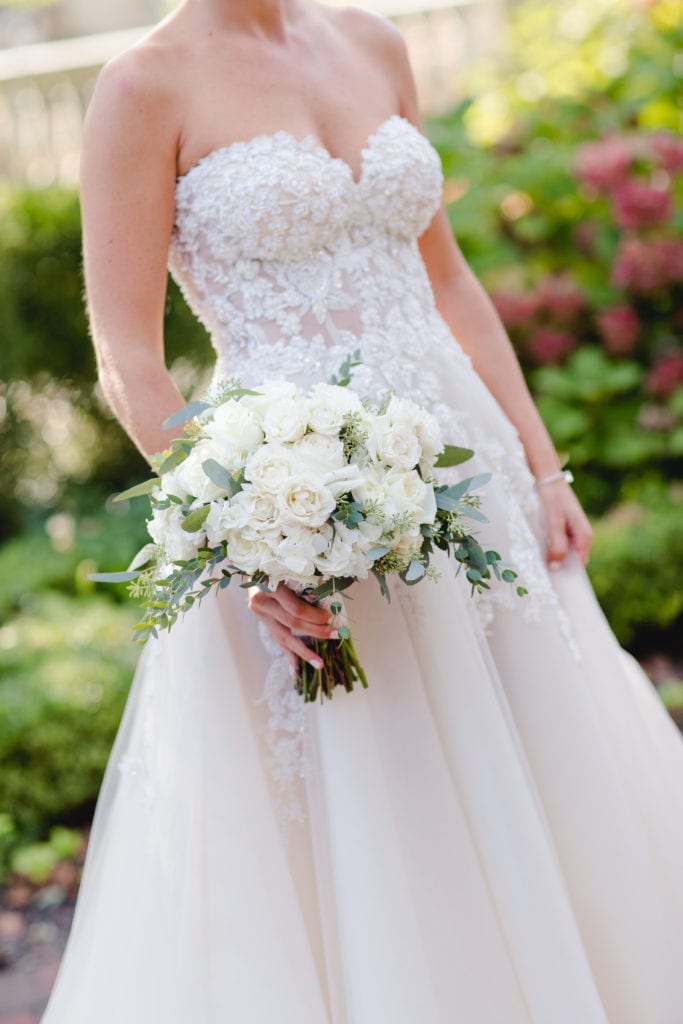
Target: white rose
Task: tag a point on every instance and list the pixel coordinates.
(190, 475)
(269, 466)
(328, 404)
(394, 444)
(304, 501)
(370, 488)
(267, 395)
(236, 432)
(343, 558)
(261, 510)
(341, 481)
(403, 412)
(166, 530)
(293, 556)
(410, 494)
(317, 453)
(225, 517)
(285, 420)
(247, 553)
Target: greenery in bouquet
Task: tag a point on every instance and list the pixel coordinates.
(312, 491)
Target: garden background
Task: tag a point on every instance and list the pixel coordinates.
(564, 183)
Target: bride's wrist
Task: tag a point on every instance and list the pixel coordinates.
(564, 475)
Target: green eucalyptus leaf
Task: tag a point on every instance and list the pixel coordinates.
(218, 475)
(177, 456)
(196, 519)
(113, 577)
(188, 412)
(146, 487)
(453, 456)
(415, 571)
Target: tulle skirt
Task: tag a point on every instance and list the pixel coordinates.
(491, 833)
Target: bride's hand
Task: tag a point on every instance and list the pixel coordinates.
(282, 612)
(567, 525)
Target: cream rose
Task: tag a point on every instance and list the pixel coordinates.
(285, 420)
(267, 394)
(165, 529)
(328, 404)
(395, 445)
(317, 453)
(247, 553)
(411, 495)
(236, 432)
(225, 517)
(269, 466)
(293, 556)
(304, 501)
(190, 475)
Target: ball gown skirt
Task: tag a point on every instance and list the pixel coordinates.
(492, 832)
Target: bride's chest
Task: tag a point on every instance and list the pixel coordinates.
(276, 197)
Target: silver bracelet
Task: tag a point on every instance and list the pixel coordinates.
(562, 474)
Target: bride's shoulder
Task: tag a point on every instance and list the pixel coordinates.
(143, 71)
(374, 34)
(379, 41)
(136, 93)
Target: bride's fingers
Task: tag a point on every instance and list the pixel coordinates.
(323, 630)
(292, 644)
(267, 604)
(303, 611)
(581, 534)
(557, 541)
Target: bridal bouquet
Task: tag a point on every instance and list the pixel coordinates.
(316, 491)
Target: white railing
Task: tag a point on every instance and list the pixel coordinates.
(45, 87)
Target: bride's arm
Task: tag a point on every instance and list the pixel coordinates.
(473, 319)
(128, 173)
(127, 181)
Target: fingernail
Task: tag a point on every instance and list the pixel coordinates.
(554, 566)
(334, 635)
(316, 663)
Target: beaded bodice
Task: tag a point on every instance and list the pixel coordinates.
(291, 263)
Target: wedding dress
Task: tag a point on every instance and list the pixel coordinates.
(492, 833)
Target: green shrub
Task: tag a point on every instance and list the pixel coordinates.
(65, 669)
(636, 565)
(57, 434)
(60, 554)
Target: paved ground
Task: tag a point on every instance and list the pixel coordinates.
(32, 938)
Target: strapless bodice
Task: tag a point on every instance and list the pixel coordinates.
(291, 263)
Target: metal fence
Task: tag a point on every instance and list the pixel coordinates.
(45, 87)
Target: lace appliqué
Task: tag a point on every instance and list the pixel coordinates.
(285, 735)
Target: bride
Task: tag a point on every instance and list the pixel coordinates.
(492, 833)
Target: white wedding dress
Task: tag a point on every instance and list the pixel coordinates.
(492, 833)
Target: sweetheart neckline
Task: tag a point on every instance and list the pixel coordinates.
(309, 140)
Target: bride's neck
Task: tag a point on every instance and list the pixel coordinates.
(262, 17)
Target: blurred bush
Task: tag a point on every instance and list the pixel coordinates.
(63, 683)
(565, 188)
(61, 448)
(635, 563)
